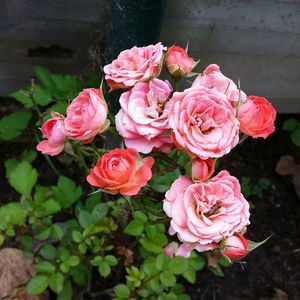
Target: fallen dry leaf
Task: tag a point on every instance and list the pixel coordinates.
(121, 250)
(15, 271)
(286, 165)
(212, 259)
(280, 295)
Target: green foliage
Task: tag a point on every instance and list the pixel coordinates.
(256, 189)
(11, 126)
(293, 127)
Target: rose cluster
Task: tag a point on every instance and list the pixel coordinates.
(205, 120)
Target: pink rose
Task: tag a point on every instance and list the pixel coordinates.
(205, 213)
(134, 65)
(235, 247)
(86, 116)
(52, 130)
(202, 169)
(257, 116)
(203, 122)
(183, 250)
(121, 171)
(213, 78)
(178, 62)
(143, 118)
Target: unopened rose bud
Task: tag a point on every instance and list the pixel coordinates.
(202, 170)
(178, 62)
(235, 247)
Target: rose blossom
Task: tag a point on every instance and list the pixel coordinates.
(213, 78)
(86, 116)
(143, 118)
(235, 247)
(52, 130)
(202, 169)
(203, 122)
(183, 250)
(257, 116)
(121, 171)
(178, 62)
(133, 65)
(205, 213)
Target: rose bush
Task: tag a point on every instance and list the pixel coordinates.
(130, 224)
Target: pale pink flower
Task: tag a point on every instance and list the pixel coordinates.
(213, 78)
(203, 122)
(52, 130)
(205, 213)
(86, 116)
(143, 119)
(134, 65)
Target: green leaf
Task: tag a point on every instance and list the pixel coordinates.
(77, 236)
(57, 232)
(56, 282)
(85, 218)
(10, 164)
(217, 271)
(11, 126)
(111, 260)
(23, 178)
(50, 207)
(23, 97)
(41, 95)
(162, 261)
(104, 269)
(43, 233)
(28, 155)
(161, 183)
(122, 291)
(2, 239)
(67, 292)
(44, 267)
(254, 245)
(178, 265)
(167, 278)
(66, 192)
(290, 124)
(74, 260)
(139, 215)
(295, 136)
(15, 213)
(37, 285)
(92, 201)
(155, 245)
(135, 228)
(80, 274)
(99, 212)
(190, 275)
(150, 231)
(48, 252)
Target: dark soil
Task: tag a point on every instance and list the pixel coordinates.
(276, 264)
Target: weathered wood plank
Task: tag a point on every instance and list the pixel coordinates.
(260, 15)
(234, 41)
(65, 10)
